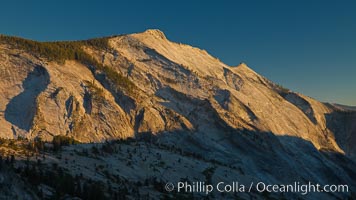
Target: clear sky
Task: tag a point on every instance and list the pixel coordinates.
(308, 46)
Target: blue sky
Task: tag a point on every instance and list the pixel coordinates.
(307, 46)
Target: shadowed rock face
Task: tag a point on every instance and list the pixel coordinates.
(343, 124)
(302, 104)
(21, 109)
(182, 97)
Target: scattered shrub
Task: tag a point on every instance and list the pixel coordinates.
(61, 140)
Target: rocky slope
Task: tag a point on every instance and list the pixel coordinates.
(145, 86)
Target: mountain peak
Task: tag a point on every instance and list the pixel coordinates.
(243, 67)
(156, 33)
